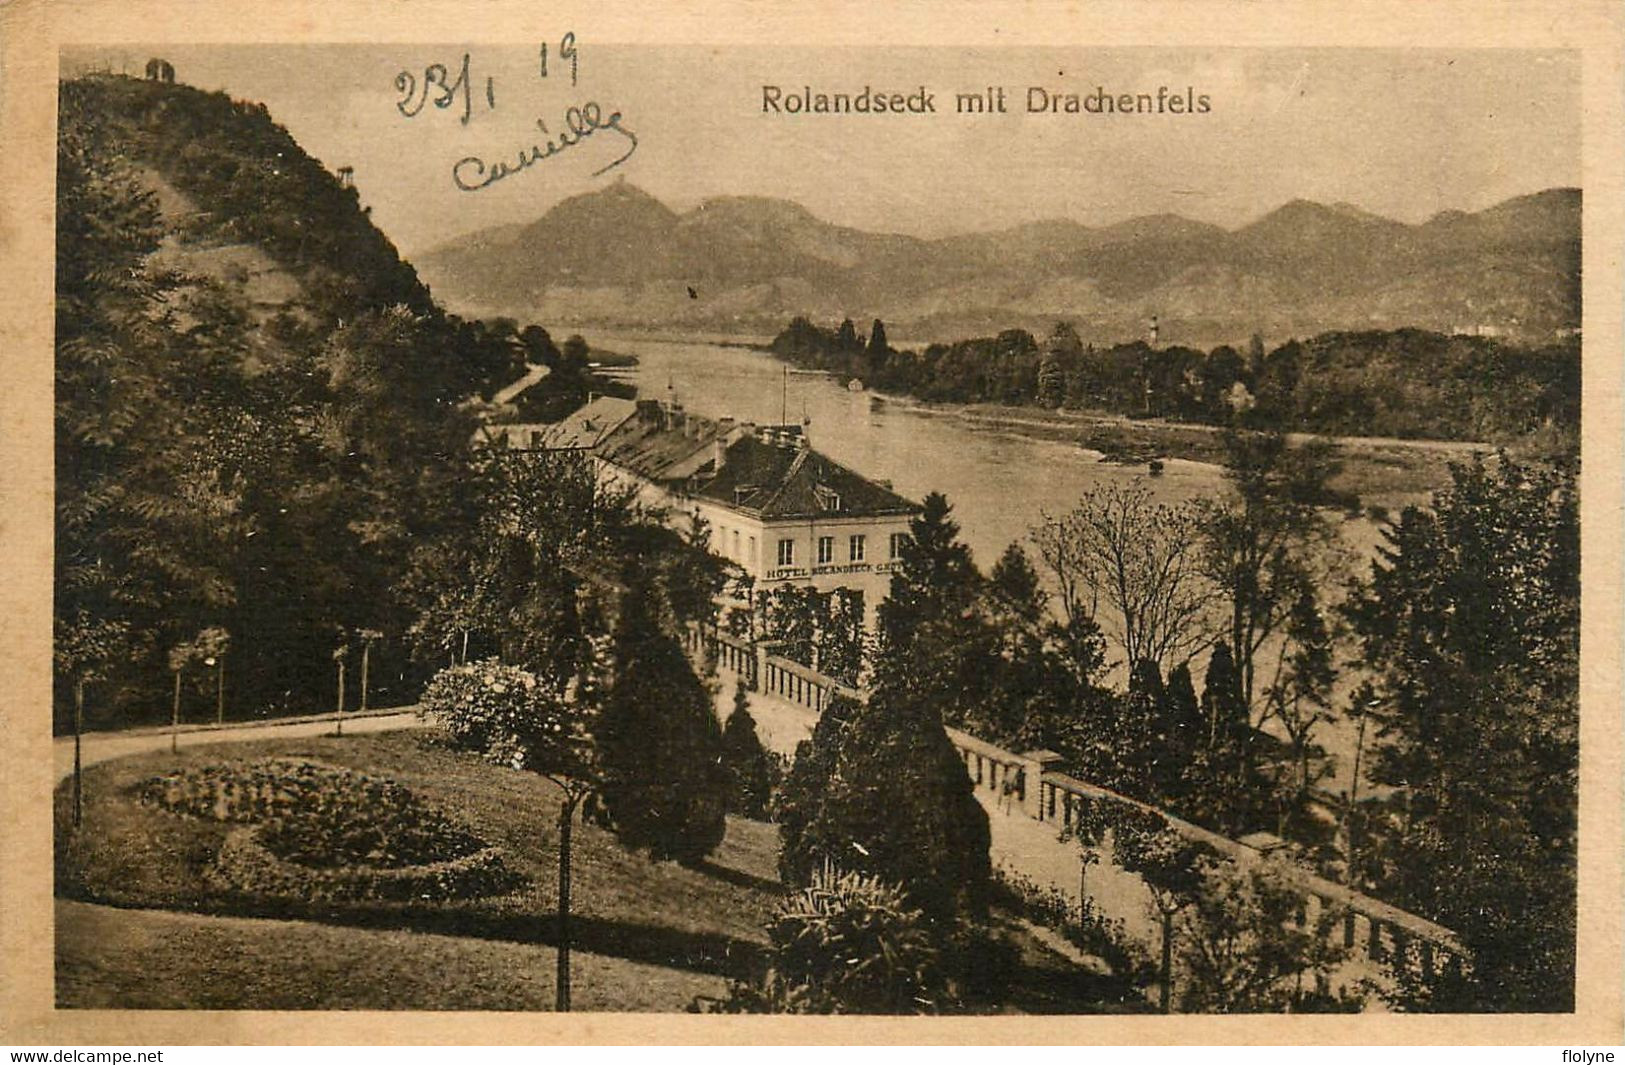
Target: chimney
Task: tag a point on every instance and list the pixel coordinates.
(726, 434)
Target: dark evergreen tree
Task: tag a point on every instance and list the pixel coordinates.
(1139, 733)
(1183, 732)
(1221, 786)
(898, 801)
(1014, 584)
(932, 637)
(1223, 709)
(1063, 358)
(846, 337)
(750, 772)
(659, 744)
(878, 354)
(800, 799)
(1471, 620)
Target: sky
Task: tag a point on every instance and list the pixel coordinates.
(1403, 133)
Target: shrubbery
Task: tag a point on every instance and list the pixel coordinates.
(846, 943)
(494, 709)
(1083, 926)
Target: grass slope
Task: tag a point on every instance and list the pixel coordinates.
(707, 919)
(139, 927)
(152, 959)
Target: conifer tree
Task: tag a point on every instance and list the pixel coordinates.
(750, 775)
(897, 801)
(1223, 707)
(846, 338)
(1183, 730)
(660, 747)
(798, 801)
(878, 348)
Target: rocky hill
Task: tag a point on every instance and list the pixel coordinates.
(619, 257)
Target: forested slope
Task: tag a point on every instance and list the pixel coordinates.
(260, 411)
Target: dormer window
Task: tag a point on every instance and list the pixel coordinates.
(828, 498)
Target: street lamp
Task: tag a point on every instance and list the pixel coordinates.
(220, 688)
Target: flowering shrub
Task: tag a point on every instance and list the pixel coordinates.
(502, 711)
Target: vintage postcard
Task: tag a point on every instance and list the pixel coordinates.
(1066, 522)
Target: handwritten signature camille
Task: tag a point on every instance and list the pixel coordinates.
(472, 173)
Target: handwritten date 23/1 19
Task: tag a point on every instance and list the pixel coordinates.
(416, 96)
(439, 87)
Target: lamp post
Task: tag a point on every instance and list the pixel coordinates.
(1364, 705)
(367, 638)
(338, 657)
(220, 687)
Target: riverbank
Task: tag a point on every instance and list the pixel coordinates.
(1382, 472)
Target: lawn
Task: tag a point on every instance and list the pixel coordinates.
(139, 925)
(155, 959)
(707, 919)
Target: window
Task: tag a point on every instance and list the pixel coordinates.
(752, 542)
(855, 548)
(826, 550)
(897, 542)
(787, 552)
(736, 544)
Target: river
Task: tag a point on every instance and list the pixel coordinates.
(999, 482)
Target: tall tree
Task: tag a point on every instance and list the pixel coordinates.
(659, 743)
(1471, 622)
(798, 803)
(1183, 731)
(878, 347)
(1260, 544)
(1063, 352)
(1299, 696)
(750, 774)
(898, 802)
(1136, 564)
(932, 638)
(148, 507)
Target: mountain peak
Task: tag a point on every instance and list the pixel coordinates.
(1301, 213)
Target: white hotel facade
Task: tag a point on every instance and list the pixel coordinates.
(778, 510)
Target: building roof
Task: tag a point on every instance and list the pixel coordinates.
(769, 472)
(589, 424)
(659, 444)
(581, 429)
(779, 481)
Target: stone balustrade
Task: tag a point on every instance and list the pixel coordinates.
(1029, 783)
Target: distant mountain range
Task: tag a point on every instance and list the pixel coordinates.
(618, 257)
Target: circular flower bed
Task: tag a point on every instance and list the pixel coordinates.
(323, 833)
(247, 864)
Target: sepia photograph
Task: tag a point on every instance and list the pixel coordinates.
(779, 528)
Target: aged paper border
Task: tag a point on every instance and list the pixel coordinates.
(31, 32)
